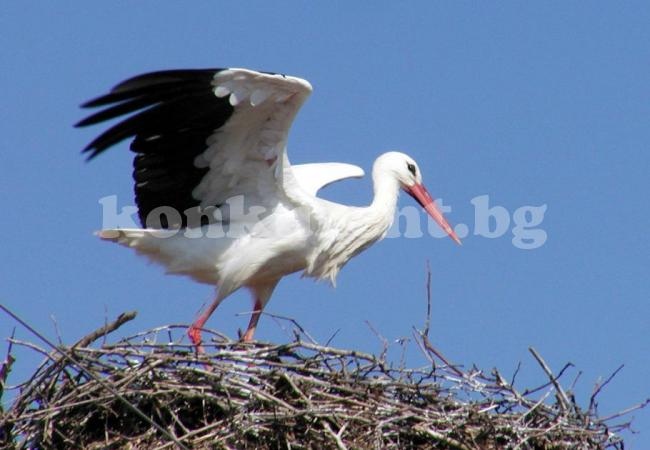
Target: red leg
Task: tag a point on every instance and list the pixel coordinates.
(261, 294)
(252, 325)
(194, 332)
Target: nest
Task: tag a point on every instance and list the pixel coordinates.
(152, 391)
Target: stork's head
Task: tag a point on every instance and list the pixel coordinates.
(407, 173)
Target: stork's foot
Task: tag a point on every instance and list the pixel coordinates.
(248, 336)
(194, 334)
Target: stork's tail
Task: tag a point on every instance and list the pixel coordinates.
(178, 254)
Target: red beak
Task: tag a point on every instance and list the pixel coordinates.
(422, 196)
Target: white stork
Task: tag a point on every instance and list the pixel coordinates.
(210, 150)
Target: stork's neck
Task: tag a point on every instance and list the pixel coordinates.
(386, 190)
(358, 228)
(379, 215)
(372, 222)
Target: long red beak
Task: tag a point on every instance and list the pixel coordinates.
(422, 196)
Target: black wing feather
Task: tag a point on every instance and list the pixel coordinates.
(173, 112)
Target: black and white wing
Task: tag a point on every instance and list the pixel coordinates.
(201, 137)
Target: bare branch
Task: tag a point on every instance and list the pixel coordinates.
(427, 323)
(562, 397)
(384, 341)
(103, 331)
(599, 387)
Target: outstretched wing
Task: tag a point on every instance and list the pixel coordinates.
(201, 137)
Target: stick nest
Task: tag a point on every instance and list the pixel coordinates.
(151, 391)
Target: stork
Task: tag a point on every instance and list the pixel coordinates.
(217, 197)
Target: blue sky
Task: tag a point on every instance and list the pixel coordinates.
(531, 105)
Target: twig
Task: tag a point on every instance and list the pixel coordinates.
(600, 386)
(430, 348)
(384, 341)
(626, 411)
(453, 443)
(335, 436)
(103, 331)
(427, 323)
(293, 321)
(331, 338)
(550, 382)
(515, 373)
(6, 365)
(562, 397)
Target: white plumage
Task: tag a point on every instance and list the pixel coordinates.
(217, 196)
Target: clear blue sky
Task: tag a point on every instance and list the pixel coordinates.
(528, 104)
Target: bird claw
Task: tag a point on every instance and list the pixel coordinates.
(248, 336)
(195, 335)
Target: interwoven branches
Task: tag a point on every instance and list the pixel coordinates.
(294, 395)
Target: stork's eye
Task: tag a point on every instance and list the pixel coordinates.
(411, 168)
